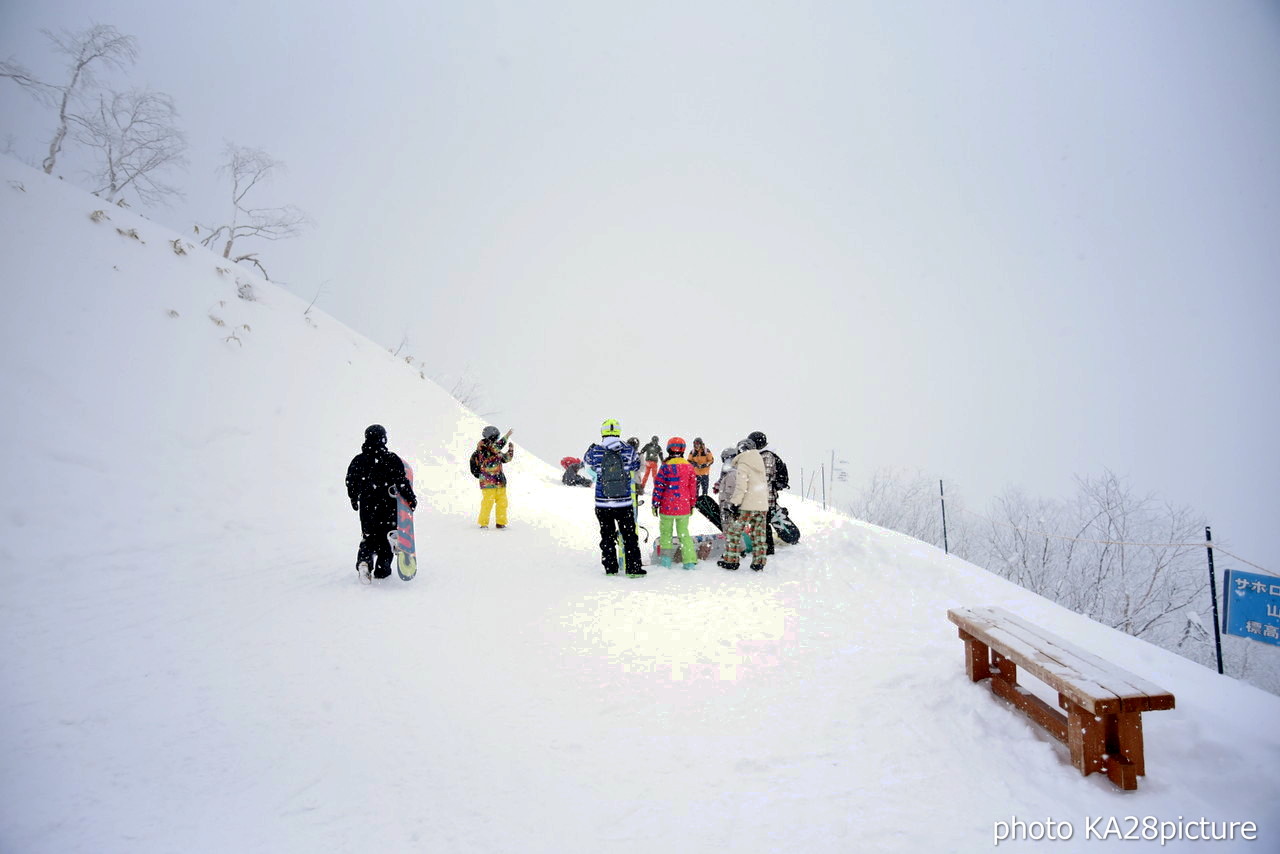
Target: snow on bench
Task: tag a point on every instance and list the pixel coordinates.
(1104, 703)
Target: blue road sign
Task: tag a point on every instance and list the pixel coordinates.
(1252, 607)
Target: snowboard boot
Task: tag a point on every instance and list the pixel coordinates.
(693, 565)
(665, 560)
(384, 571)
(758, 566)
(500, 527)
(362, 569)
(636, 573)
(724, 564)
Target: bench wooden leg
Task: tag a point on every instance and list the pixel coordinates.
(1124, 761)
(976, 661)
(1086, 738)
(1004, 668)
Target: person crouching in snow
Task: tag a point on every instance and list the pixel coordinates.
(674, 493)
(572, 476)
(747, 508)
(373, 473)
(493, 482)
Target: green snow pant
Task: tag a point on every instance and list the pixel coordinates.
(688, 549)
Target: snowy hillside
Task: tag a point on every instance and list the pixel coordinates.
(190, 665)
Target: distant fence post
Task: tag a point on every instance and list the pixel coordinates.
(943, 495)
(824, 486)
(1213, 589)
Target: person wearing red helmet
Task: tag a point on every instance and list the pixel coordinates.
(675, 490)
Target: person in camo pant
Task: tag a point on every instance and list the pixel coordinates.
(748, 508)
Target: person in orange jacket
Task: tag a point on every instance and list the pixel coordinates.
(701, 459)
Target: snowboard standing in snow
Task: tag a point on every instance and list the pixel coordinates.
(786, 529)
(402, 542)
(710, 508)
(635, 514)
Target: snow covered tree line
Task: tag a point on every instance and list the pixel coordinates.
(1080, 553)
(133, 139)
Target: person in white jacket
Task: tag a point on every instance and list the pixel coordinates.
(748, 508)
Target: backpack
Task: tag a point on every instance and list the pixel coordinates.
(614, 480)
(475, 463)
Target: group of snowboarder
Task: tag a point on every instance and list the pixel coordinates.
(750, 479)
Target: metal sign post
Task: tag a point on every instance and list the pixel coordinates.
(943, 495)
(1213, 588)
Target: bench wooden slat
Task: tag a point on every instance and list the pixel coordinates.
(1091, 682)
(1061, 677)
(1102, 727)
(1136, 694)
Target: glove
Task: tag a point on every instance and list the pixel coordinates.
(734, 510)
(413, 507)
(355, 505)
(655, 509)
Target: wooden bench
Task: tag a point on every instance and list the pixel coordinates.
(1104, 703)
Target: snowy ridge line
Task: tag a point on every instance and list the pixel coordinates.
(1203, 544)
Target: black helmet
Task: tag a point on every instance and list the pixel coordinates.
(490, 433)
(375, 434)
(759, 439)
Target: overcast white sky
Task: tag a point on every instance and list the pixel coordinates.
(1003, 243)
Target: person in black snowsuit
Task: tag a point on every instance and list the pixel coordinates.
(373, 473)
(779, 479)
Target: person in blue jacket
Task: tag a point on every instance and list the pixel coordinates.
(613, 460)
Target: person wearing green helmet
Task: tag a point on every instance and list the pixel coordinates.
(613, 461)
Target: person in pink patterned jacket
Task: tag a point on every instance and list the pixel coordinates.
(675, 491)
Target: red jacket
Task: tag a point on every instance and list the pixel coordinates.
(675, 489)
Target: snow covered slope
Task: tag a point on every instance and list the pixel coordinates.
(188, 663)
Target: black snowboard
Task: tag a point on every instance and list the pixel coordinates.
(786, 530)
(710, 508)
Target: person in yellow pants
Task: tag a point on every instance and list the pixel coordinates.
(490, 456)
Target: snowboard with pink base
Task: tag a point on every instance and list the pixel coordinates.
(402, 537)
